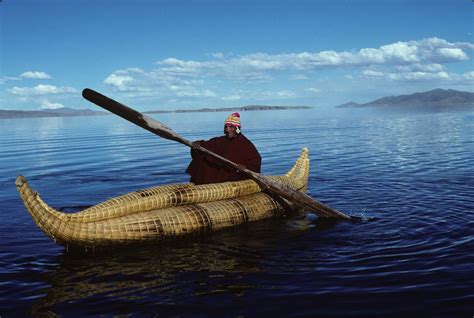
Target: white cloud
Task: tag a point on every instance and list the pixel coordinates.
(119, 81)
(401, 52)
(371, 73)
(191, 92)
(35, 75)
(455, 54)
(419, 76)
(45, 104)
(217, 55)
(41, 90)
(133, 70)
(469, 75)
(231, 98)
(178, 67)
(5, 79)
(269, 95)
(371, 56)
(408, 76)
(278, 94)
(465, 78)
(298, 77)
(208, 93)
(420, 68)
(313, 90)
(428, 51)
(233, 69)
(285, 94)
(410, 60)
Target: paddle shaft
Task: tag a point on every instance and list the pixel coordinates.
(161, 130)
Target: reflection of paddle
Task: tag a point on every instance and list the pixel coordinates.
(161, 130)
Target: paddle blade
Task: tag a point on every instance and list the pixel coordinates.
(133, 116)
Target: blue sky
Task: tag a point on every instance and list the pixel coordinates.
(193, 54)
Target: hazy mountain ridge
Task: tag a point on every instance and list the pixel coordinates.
(437, 98)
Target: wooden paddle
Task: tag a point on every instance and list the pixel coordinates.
(161, 130)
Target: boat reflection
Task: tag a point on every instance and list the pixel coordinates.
(147, 276)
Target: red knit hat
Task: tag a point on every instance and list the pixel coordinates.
(233, 120)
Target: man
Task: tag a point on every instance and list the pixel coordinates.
(233, 146)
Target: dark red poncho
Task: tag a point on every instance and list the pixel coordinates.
(205, 169)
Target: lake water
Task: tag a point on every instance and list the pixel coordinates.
(408, 177)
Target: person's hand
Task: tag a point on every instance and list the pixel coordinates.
(195, 145)
(241, 167)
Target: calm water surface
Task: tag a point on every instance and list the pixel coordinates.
(408, 177)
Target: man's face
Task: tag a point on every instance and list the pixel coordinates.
(230, 131)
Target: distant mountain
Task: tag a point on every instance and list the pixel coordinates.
(438, 98)
(59, 112)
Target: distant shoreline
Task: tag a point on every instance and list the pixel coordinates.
(229, 109)
(71, 112)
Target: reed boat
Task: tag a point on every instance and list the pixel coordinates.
(165, 212)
